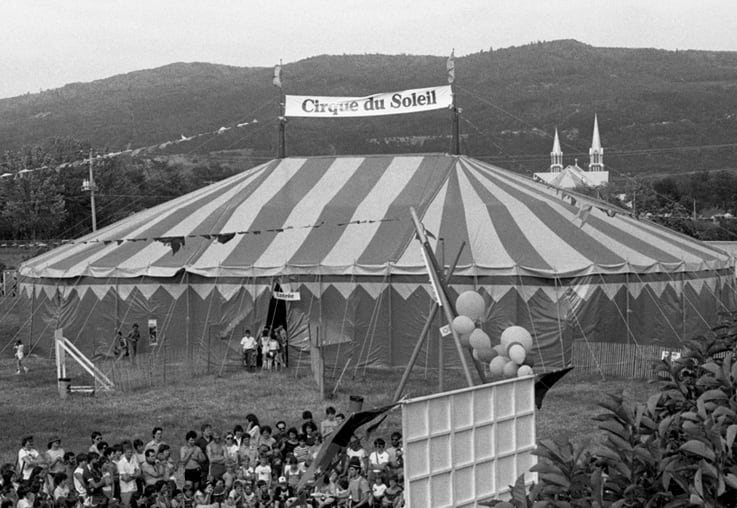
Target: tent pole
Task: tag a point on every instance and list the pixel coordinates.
(416, 351)
(441, 356)
(425, 329)
(188, 322)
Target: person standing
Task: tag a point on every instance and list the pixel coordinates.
(20, 354)
(192, 459)
(358, 486)
(249, 345)
(129, 472)
(28, 458)
(132, 341)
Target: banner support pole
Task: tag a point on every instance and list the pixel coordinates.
(439, 289)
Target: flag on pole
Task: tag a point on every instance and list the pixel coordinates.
(583, 214)
(450, 66)
(277, 76)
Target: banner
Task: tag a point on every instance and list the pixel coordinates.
(391, 103)
(289, 296)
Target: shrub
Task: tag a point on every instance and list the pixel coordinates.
(676, 449)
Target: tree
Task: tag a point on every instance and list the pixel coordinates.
(34, 205)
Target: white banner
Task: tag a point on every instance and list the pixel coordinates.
(391, 103)
(289, 296)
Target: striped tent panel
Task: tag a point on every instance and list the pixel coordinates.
(350, 215)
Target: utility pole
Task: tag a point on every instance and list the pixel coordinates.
(89, 185)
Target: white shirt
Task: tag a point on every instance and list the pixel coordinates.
(248, 342)
(130, 468)
(79, 485)
(26, 466)
(263, 473)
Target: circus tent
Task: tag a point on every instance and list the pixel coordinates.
(336, 231)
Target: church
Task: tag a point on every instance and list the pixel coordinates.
(573, 176)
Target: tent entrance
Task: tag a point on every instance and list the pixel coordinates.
(276, 318)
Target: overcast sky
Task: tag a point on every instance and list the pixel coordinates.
(46, 44)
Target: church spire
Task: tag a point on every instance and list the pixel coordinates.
(556, 156)
(596, 152)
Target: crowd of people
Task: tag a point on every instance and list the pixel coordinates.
(253, 465)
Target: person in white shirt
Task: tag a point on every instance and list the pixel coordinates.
(78, 477)
(249, 345)
(378, 459)
(129, 471)
(28, 457)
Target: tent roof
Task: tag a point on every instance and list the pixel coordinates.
(349, 215)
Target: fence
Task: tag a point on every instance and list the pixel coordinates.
(619, 360)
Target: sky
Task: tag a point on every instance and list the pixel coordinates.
(46, 44)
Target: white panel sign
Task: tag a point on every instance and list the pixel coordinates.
(468, 445)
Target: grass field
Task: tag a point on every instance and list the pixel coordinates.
(30, 404)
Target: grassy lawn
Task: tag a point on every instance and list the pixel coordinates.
(30, 404)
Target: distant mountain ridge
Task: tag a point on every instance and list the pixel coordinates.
(649, 103)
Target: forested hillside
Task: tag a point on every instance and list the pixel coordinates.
(660, 113)
(512, 99)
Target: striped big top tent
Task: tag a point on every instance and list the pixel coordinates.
(336, 233)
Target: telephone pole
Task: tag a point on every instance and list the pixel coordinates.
(89, 185)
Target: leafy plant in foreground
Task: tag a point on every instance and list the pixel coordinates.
(676, 449)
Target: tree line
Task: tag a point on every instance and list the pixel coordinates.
(50, 204)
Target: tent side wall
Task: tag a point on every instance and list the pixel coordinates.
(375, 320)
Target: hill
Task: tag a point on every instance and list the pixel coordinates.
(657, 109)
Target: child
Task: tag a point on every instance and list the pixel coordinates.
(229, 474)
(329, 424)
(188, 495)
(283, 494)
(202, 497)
(265, 360)
(264, 494)
(393, 492)
(273, 354)
(62, 494)
(263, 471)
(378, 489)
(302, 451)
(20, 353)
(250, 500)
(235, 498)
(293, 472)
(219, 492)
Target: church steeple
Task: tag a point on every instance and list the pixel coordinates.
(596, 152)
(556, 156)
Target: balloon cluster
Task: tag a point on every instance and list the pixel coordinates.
(508, 359)
(513, 354)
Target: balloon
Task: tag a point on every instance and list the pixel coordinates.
(530, 361)
(500, 349)
(496, 366)
(517, 334)
(479, 339)
(510, 369)
(485, 354)
(463, 324)
(465, 339)
(524, 370)
(471, 304)
(517, 353)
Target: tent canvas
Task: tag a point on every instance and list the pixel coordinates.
(338, 231)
